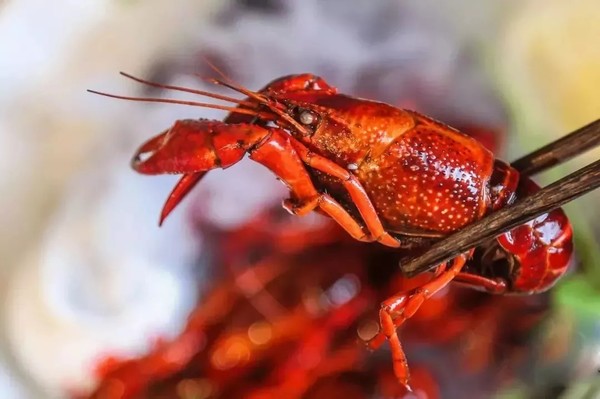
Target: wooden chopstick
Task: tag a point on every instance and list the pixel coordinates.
(560, 151)
(551, 197)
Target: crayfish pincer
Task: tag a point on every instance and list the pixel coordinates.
(382, 173)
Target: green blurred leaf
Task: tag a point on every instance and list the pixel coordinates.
(578, 294)
(589, 389)
(515, 392)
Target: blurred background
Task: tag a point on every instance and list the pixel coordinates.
(86, 274)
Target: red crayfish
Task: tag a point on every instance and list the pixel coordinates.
(384, 174)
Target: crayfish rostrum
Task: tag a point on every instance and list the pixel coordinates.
(384, 174)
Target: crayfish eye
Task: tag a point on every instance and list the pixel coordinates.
(307, 117)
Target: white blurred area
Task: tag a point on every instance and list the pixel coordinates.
(104, 279)
(86, 272)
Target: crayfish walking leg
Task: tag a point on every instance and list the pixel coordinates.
(355, 189)
(399, 308)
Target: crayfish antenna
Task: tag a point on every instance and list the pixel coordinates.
(261, 99)
(230, 83)
(187, 90)
(217, 69)
(246, 111)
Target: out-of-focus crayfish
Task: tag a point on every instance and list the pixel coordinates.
(280, 321)
(384, 174)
